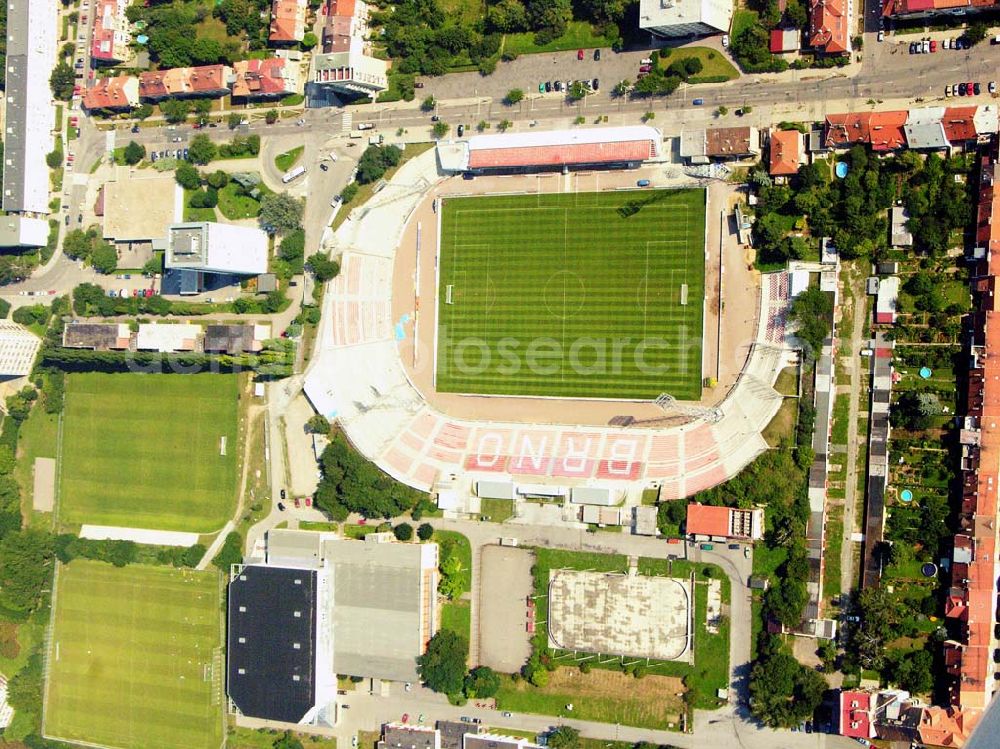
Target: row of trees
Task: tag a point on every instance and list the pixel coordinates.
(88, 245)
(443, 668)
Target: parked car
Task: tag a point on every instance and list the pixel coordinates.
(579, 54)
(933, 46)
(557, 86)
(541, 88)
(597, 55)
(947, 91)
(746, 552)
(913, 47)
(992, 87)
(642, 183)
(548, 86)
(698, 102)
(281, 508)
(506, 714)
(725, 41)
(645, 68)
(461, 130)
(596, 84)
(646, 61)
(961, 89)
(418, 84)
(435, 117)
(926, 47)
(324, 166)
(977, 88)
(881, 35)
(706, 547)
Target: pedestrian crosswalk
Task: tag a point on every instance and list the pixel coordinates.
(346, 122)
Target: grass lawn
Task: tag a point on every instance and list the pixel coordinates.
(464, 11)
(37, 438)
(366, 191)
(578, 34)
(834, 543)
(787, 382)
(196, 214)
(461, 544)
(143, 450)
(248, 738)
(601, 695)
(235, 206)
(580, 295)
(714, 63)
(457, 616)
(783, 423)
(841, 419)
(497, 510)
(136, 657)
(286, 160)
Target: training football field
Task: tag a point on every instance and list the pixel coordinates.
(590, 295)
(135, 660)
(146, 451)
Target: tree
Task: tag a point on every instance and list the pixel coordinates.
(323, 267)
(721, 111)
(513, 96)
(134, 153)
(812, 310)
(318, 424)
(440, 129)
(783, 692)
(482, 682)
(231, 552)
(442, 666)
(271, 116)
(187, 176)
(564, 737)
(54, 158)
(143, 111)
(286, 741)
(622, 88)
(309, 41)
(403, 532)
(352, 484)
(376, 161)
(62, 81)
(425, 531)
(976, 32)
(234, 120)
(175, 110)
(201, 150)
(576, 91)
(25, 567)
(648, 116)
(912, 670)
(428, 104)
(104, 258)
(916, 411)
(504, 125)
(217, 179)
(280, 212)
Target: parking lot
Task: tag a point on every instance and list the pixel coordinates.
(505, 584)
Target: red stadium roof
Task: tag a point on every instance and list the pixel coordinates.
(584, 153)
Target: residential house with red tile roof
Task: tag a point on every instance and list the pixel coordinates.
(785, 153)
(115, 94)
(855, 714)
(784, 40)
(111, 32)
(959, 124)
(204, 81)
(261, 79)
(346, 66)
(288, 21)
(971, 598)
(883, 131)
(830, 26)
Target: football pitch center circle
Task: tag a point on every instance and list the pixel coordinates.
(564, 294)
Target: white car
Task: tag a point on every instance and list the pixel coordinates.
(881, 35)
(926, 47)
(725, 41)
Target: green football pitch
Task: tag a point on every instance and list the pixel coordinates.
(149, 451)
(589, 295)
(136, 657)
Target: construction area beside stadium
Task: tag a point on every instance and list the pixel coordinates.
(375, 359)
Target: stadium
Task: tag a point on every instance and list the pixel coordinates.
(527, 307)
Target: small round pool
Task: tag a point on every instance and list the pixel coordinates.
(841, 169)
(928, 570)
(926, 372)
(906, 495)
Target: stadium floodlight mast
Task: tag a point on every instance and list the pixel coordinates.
(668, 403)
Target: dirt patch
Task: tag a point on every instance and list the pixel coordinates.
(9, 645)
(603, 695)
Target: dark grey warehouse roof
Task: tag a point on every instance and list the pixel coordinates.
(272, 642)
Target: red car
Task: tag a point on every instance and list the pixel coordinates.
(579, 54)
(309, 501)
(406, 717)
(296, 500)
(645, 68)
(933, 46)
(148, 293)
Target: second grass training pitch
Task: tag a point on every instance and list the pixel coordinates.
(136, 659)
(586, 295)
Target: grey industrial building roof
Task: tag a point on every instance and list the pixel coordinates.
(377, 608)
(31, 30)
(272, 642)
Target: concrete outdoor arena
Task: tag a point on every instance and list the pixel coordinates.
(408, 296)
(368, 375)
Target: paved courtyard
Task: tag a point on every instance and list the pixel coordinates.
(615, 614)
(505, 584)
